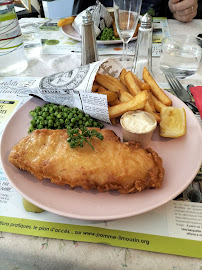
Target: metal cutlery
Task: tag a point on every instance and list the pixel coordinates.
(188, 90)
(180, 91)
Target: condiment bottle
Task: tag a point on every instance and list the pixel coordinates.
(143, 57)
(89, 45)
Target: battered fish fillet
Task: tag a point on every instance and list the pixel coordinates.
(125, 167)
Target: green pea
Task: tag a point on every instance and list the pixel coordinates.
(45, 109)
(41, 122)
(44, 114)
(65, 115)
(30, 130)
(33, 113)
(73, 120)
(51, 110)
(33, 122)
(38, 108)
(61, 121)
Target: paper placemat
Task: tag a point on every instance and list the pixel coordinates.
(55, 42)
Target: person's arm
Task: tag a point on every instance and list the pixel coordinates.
(184, 10)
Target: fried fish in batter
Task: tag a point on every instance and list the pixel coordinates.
(125, 167)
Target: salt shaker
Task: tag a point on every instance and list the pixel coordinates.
(89, 45)
(143, 57)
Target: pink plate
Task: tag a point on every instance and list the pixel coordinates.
(70, 32)
(182, 159)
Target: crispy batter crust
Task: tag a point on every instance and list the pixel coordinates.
(112, 165)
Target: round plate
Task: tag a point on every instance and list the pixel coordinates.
(69, 31)
(181, 156)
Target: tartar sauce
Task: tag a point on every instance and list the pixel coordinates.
(138, 122)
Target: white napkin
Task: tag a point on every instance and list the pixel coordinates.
(100, 16)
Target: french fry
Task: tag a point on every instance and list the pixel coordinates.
(116, 81)
(158, 104)
(133, 88)
(149, 106)
(115, 102)
(113, 121)
(110, 83)
(122, 76)
(156, 116)
(111, 96)
(95, 87)
(142, 85)
(137, 102)
(66, 21)
(125, 96)
(145, 86)
(156, 90)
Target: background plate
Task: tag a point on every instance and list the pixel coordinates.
(70, 32)
(182, 159)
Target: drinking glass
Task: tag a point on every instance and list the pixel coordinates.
(126, 13)
(180, 55)
(30, 34)
(12, 56)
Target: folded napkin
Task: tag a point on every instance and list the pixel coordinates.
(100, 16)
(197, 95)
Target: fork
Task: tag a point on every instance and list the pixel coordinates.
(180, 91)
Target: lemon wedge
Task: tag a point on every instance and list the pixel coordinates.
(29, 207)
(173, 122)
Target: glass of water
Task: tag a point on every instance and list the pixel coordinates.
(31, 35)
(180, 55)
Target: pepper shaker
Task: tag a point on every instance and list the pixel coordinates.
(89, 45)
(143, 57)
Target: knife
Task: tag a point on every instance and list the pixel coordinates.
(189, 91)
(192, 98)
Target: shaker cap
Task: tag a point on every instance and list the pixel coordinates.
(87, 18)
(146, 21)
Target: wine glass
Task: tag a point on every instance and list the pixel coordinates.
(126, 13)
